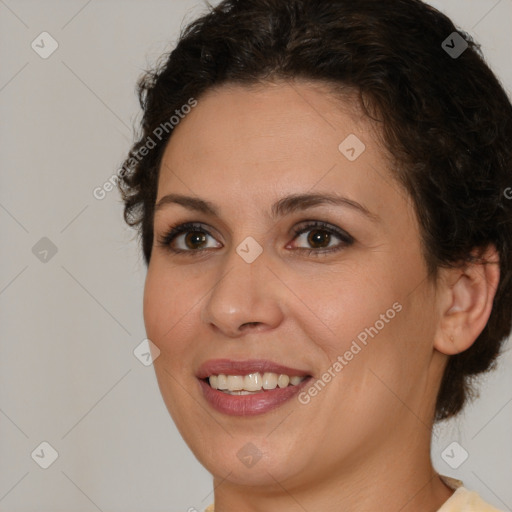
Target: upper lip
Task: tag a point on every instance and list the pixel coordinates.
(245, 367)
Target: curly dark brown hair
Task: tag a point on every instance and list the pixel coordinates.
(445, 119)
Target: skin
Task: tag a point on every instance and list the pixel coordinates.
(363, 442)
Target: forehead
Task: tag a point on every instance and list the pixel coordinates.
(279, 132)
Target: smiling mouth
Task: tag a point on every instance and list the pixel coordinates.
(252, 383)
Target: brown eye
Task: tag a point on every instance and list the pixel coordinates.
(319, 238)
(188, 238)
(195, 239)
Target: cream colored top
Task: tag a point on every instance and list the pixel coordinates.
(462, 500)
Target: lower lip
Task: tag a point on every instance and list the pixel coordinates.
(250, 405)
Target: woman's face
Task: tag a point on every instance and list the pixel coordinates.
(345, 301)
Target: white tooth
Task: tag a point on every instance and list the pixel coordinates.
(213, 381)
(222, 381)
(269, 380)
(252, 382)
(235, 382)
(283, 381)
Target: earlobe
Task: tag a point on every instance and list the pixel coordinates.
(466, 298)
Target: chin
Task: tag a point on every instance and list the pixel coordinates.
(249, 460)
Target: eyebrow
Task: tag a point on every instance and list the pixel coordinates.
(284, 206)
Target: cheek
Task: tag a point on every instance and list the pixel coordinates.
(168, 306)
(167, 310)
(154, 306)
(368, 331)
(348, 305)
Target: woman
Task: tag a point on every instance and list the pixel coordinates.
(319, 189)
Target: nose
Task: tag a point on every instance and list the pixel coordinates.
(246, 297)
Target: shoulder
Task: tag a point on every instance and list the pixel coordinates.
(464, 500)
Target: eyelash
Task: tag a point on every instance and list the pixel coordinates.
(346, 240)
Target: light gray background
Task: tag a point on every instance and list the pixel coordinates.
(68, 375)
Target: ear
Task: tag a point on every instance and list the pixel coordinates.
(465, 297)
